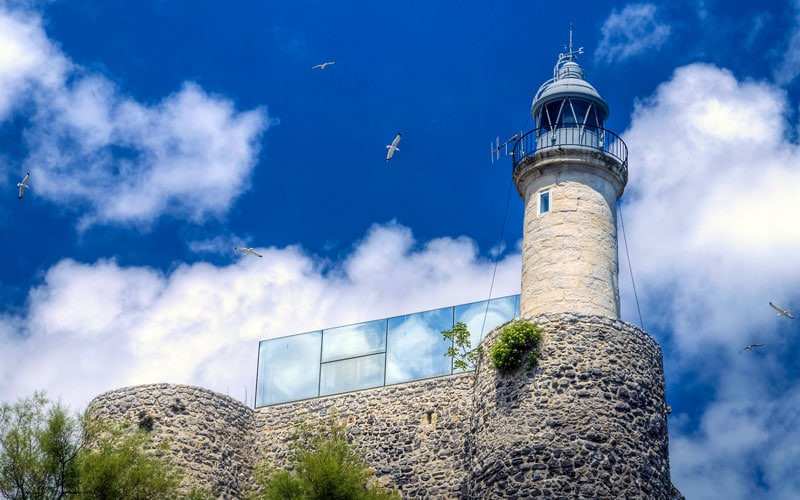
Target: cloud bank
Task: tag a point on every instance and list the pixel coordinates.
(91, 327)
(119, 160)
(710, 213)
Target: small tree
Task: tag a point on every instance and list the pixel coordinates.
(122, 462)
(516, 343)
(325, 466)
(39, 443)
(460, 351)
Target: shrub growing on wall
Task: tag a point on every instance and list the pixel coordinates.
(516, 344)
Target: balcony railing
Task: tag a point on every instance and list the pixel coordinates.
(592, 138)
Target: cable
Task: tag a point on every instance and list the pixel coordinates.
(628, 255)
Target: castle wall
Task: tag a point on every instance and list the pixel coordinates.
(588, 422)
(211, 435)
(413, 434)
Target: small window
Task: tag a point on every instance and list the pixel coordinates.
(544, 202)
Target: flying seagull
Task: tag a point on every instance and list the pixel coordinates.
(246, 251)
(23, 185)
(323, 65)
(781, 312)
(750, 347)
(393, 146)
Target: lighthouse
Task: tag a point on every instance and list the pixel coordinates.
(570, 171)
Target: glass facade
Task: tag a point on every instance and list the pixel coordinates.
(370, 354)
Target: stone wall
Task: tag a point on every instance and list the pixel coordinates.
(413, 434)
(588, 422)
(211, 435)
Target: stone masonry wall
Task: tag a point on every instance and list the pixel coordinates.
(211, 435)
(588, 422)
(413, 434)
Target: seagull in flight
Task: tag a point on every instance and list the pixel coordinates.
(781, 312)
(23, 185)
(323, 65)
(393, 146)
(750, 347)
(246, 251)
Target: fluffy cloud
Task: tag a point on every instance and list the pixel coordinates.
(91, 327)
(709, 213)
(119, 160)
(630, 32)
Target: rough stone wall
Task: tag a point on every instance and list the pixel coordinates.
(588, 422)
(211, 435)
(413, 434)
(569, 255)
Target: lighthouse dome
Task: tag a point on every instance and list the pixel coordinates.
(568, 86)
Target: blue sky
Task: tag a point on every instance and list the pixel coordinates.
(159, 135)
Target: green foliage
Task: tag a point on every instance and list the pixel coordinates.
(39, 443)
(516, 343)
(324, 466)
(121, 462)
(460, 351)
(47, 454)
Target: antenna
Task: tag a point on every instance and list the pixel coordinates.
(496, 146)
(570, 53)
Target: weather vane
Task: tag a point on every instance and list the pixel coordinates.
(570, 55)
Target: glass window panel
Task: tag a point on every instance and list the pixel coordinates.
(500, 310)
(354, 340)
(416, 346)
(581, 108)
(288, 369)
(352, 374)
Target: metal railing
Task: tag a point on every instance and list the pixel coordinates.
(580, 136)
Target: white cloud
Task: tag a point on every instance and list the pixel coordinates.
(710, 215)
(91, 327)
(631, 32)
(121, 161)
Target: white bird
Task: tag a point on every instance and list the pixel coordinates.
(246, 251)
(323, 65)
(781, 312)
(23, 185)
(750, 347)
(393, 147)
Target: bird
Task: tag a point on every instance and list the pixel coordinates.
(23, 185)
(323, 65)
(246, 251)
(781, 312)
(393, 146)
(750, 347)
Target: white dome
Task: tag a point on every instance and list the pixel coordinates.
(568, 82)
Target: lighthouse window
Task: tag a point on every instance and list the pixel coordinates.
(544, 202)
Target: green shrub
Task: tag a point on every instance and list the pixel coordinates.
(464, 357)
(516, 343)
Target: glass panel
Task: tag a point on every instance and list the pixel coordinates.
(500, 311)
(351, 374)
(354, 340)
(553, 109)
(288, 369)
(580, 107)
(416, 347)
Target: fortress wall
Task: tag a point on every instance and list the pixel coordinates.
(210, 434)
(412, 434)
(588, 422)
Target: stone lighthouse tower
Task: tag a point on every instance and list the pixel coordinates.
(590, 419)
(570, 171)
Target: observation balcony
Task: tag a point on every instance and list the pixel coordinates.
(591, 139)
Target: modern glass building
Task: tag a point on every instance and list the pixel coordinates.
(370, 354)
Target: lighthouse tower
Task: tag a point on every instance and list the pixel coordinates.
(570, 171)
